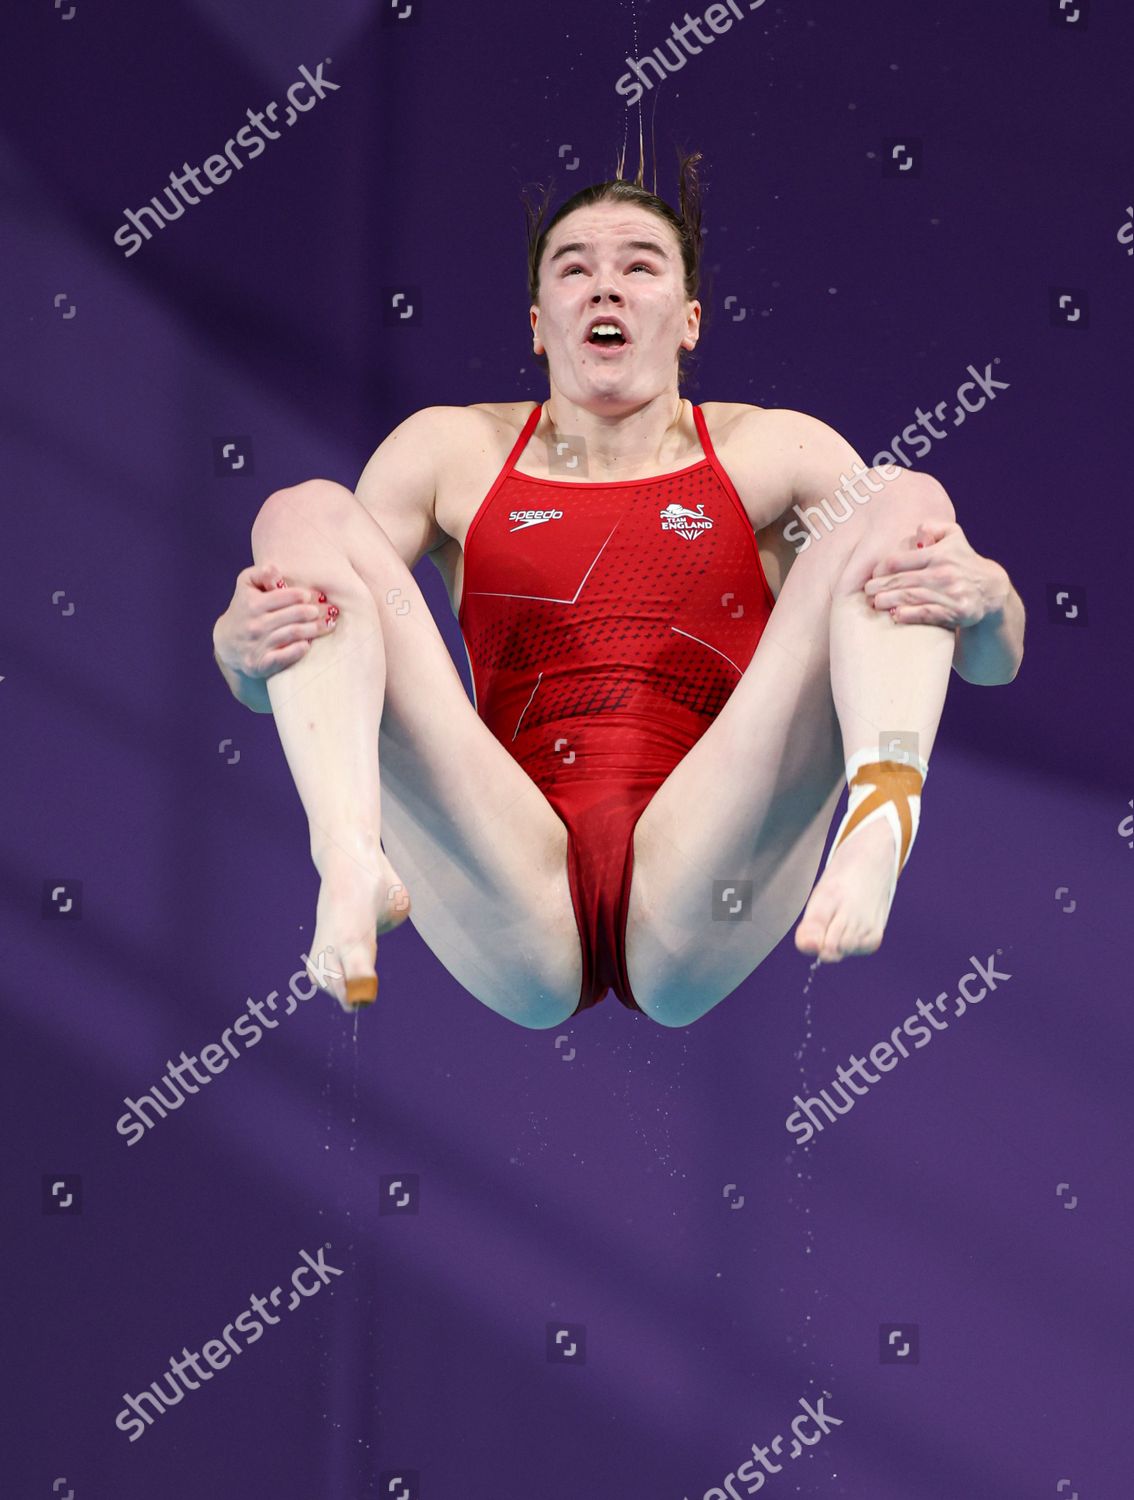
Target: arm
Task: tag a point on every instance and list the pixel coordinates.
(398, 486)
(266, 629)
(941, 580)
(937, 580)
(989, 653)
(251, 691)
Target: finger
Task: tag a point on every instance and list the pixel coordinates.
(888, 598)
(285, 656)
(276, 599)
(901, 562)
(262, 656)
(924, 541)
(908, 576)
(279, 661)
(269, 619)
(279, 585)
(262, 577)
(921, 614)
(929, 532)
(300, 630)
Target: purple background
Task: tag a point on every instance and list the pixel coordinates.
(589, 1188)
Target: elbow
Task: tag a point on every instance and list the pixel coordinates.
(990, 679)
(987, 674)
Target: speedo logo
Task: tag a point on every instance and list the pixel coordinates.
(533, 517)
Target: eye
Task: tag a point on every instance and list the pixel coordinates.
(640, 266)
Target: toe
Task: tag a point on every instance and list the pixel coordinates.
(397, 907)
(834, 946)
(812, 930)
(808, 936)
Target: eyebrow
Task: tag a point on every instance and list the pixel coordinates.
(584, 245)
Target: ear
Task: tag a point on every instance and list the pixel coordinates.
(692, 326)
(537, 347)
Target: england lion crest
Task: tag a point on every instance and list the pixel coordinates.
(687, 523)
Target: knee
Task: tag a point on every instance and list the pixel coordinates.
(536, 1003)
(546, 1012)
(672, 1011)
(544, 986)
(901, 502)
(313, 501)
(670, 1003)
(889, 522)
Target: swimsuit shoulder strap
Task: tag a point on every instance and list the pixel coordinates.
(509, 464)
(703, 433)
(522, 441)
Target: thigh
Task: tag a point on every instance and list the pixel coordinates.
(749, 808)
(487, 879)
(753, 800)
(480, 849)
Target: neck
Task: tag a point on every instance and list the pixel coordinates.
(651, 435)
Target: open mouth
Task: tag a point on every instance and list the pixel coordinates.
(606, 336)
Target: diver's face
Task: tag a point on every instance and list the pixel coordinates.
(617, 265)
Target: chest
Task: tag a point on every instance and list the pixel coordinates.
(637, 548)
(556, 527)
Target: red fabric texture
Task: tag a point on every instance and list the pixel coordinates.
(606, 626)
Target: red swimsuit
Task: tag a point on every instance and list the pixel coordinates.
(606, 626)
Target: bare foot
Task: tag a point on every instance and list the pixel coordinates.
(847, 910)
(357, 902)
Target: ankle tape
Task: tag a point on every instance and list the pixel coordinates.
(886, 788)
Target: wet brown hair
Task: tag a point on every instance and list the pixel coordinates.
(685, 223)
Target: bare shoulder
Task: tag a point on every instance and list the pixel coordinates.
(504, 418)
(773, 427)
(768, 452)
(748, 432)
(753, 444)
(506, 411)
(423, 450)
(464, 437)
(468, 447)
(405, 475)
(722, 414)
(463, 417)
(445, 430)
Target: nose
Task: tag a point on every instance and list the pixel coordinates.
(606, 292)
